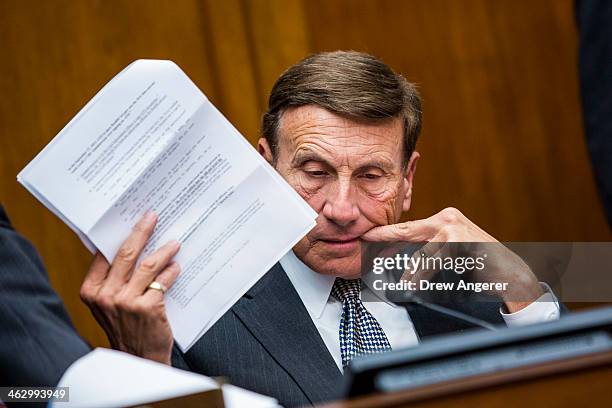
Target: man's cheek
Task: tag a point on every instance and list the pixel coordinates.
(381, 209)
(310, 192)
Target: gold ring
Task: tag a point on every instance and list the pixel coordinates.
(158, 286)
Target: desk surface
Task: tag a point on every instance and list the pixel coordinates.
(587, 383)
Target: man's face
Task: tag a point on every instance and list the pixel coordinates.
(351, 173)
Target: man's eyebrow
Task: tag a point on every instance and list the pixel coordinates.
(303, 156)
(381, 164)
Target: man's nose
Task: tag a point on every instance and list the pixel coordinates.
(340, 205)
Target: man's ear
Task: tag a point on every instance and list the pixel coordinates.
(409, 180)
(265, 150)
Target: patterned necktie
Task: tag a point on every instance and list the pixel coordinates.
(360, 333)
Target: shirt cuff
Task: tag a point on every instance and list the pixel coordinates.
(543, 309)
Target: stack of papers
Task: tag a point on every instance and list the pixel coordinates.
(151, 140)
(108, 378)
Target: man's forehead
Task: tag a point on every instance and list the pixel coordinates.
(312, 123)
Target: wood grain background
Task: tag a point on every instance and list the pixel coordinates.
(502, 136)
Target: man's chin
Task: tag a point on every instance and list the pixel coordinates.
(347, 268)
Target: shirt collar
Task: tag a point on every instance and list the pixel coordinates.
(312, 287)
(315, 288)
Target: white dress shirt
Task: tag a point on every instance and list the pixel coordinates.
(325, 311)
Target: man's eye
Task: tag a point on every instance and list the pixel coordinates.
(317, 173)
(370, 176)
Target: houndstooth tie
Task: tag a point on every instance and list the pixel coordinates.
(360, 333)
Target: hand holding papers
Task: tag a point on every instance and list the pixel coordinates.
(150, 140)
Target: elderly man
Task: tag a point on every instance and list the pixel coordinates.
(341, 128)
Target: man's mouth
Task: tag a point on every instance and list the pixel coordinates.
(341, 244)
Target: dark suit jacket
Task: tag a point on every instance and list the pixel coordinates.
(268, 343)
(37, 339)
(594, 19)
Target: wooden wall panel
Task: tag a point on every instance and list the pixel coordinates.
(233, 65)
(502, 136)
(502, 140)
(279, 39)
(55, 56)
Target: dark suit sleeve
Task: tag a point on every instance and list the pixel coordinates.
(37, 339)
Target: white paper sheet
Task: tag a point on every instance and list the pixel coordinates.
(108, 378)
(151, 140)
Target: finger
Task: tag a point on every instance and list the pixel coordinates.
(130, 250)
(167, 277)
(95, 278)
(150, 268)
(410, 231)
(98, 270)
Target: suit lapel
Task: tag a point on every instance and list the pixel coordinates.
(275, 314)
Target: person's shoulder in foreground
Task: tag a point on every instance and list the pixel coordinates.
(38, 341)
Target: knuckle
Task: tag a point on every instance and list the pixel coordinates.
(86, 294)
(122, 302)
(140, 307)
(450, 215)
(104, 300)
(175, 267)
(140, 228)
(129, 305)
(105, 303)
(133, 308)
(126, 253)
(149, 265)
(404, 227)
